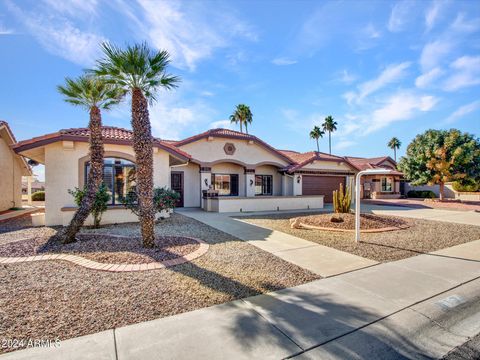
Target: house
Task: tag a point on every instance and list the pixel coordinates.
(378, 186)
(218, 170)
(13, 168)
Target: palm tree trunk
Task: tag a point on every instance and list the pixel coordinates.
(246, 127)
(442, 187)
(241, 130)
(318, 147)
(95, 176)
(395, 154)
(143, 147)
(330, 142)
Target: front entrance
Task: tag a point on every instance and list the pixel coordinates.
(322, 185)
(177, 185)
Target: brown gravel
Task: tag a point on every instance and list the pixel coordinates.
(368, 221)
(50, 299)
(421, 237)
(105, 248)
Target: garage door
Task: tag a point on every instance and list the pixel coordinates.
(321, 185)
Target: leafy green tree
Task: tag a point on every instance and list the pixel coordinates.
(243, 116)
(93, 94)
(394, 144)
(329, 125)
(99, 204)
(316, 134)
(440, 156)
(140, 71)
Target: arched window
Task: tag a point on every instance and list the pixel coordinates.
(119, 175)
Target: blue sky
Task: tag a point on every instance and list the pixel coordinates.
(380, 68)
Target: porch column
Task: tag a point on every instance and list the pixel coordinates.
(29, 190)
(205, 181)
(297, 184)
(249, 182)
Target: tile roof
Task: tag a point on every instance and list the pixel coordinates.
(110, 134)
(4, 124)
(299, 160)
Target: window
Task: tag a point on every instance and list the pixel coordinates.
(263, 184)
(226, 184)
(386, 184)
(119, 176)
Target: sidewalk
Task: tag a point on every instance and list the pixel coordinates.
(16, 213)
(319, 259)
(413, 308)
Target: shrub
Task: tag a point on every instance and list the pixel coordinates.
(163, 199)
(424, 194)
(102, 197)
(466, 185)
(38, 196)
(342, 199)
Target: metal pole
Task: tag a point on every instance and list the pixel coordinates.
(357, 206)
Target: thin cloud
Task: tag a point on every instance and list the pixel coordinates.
(60, 37)
(346, 77)
(73, 7)
(428, 78)
(466, 72)
(432, 14)
(399, 16)
(283, 61)
(462, 111)
(224, 124)
(190, 33)
(390, 74)
(462, 24)
(433, 52)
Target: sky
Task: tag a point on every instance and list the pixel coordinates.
(380, 68)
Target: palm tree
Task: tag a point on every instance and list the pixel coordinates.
(242, 115)
(316, 134)
(92, 94)
(140, 71)
(329, 125)
(394, 144)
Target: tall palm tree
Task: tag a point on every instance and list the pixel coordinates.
(316, 134)
(242, 115)
(140, 71)
(394, 144)
(329, 125)
(93, 94)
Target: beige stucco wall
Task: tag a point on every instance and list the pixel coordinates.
(191, 184)
(268, 203)
(327, 165)
(208, 151)
(10, 179)
(63, 172)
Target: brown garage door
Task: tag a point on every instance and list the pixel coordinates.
(321, 185)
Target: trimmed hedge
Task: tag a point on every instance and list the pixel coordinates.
(468, 185)
(38, 196)
(424, 194)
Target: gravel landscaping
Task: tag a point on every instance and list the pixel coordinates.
(105, 248)
(422, 236)
(56, 299)
(368, 221)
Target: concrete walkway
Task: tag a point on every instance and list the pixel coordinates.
(420, 307)
(319, 259)
(15, 213)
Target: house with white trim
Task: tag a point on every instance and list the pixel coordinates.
(218, 170)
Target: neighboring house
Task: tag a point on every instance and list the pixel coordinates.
(35, 186)
(13, 167)
(218, 170)
(378, 186)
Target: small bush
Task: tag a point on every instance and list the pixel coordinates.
(424, 194)
(466, 185)
(102, 197)
(38, 196)
(163, 199)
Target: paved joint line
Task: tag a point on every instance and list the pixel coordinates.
(272, 325)
(381, 318)
(440, 325)
(297, 248)
(115, 343)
